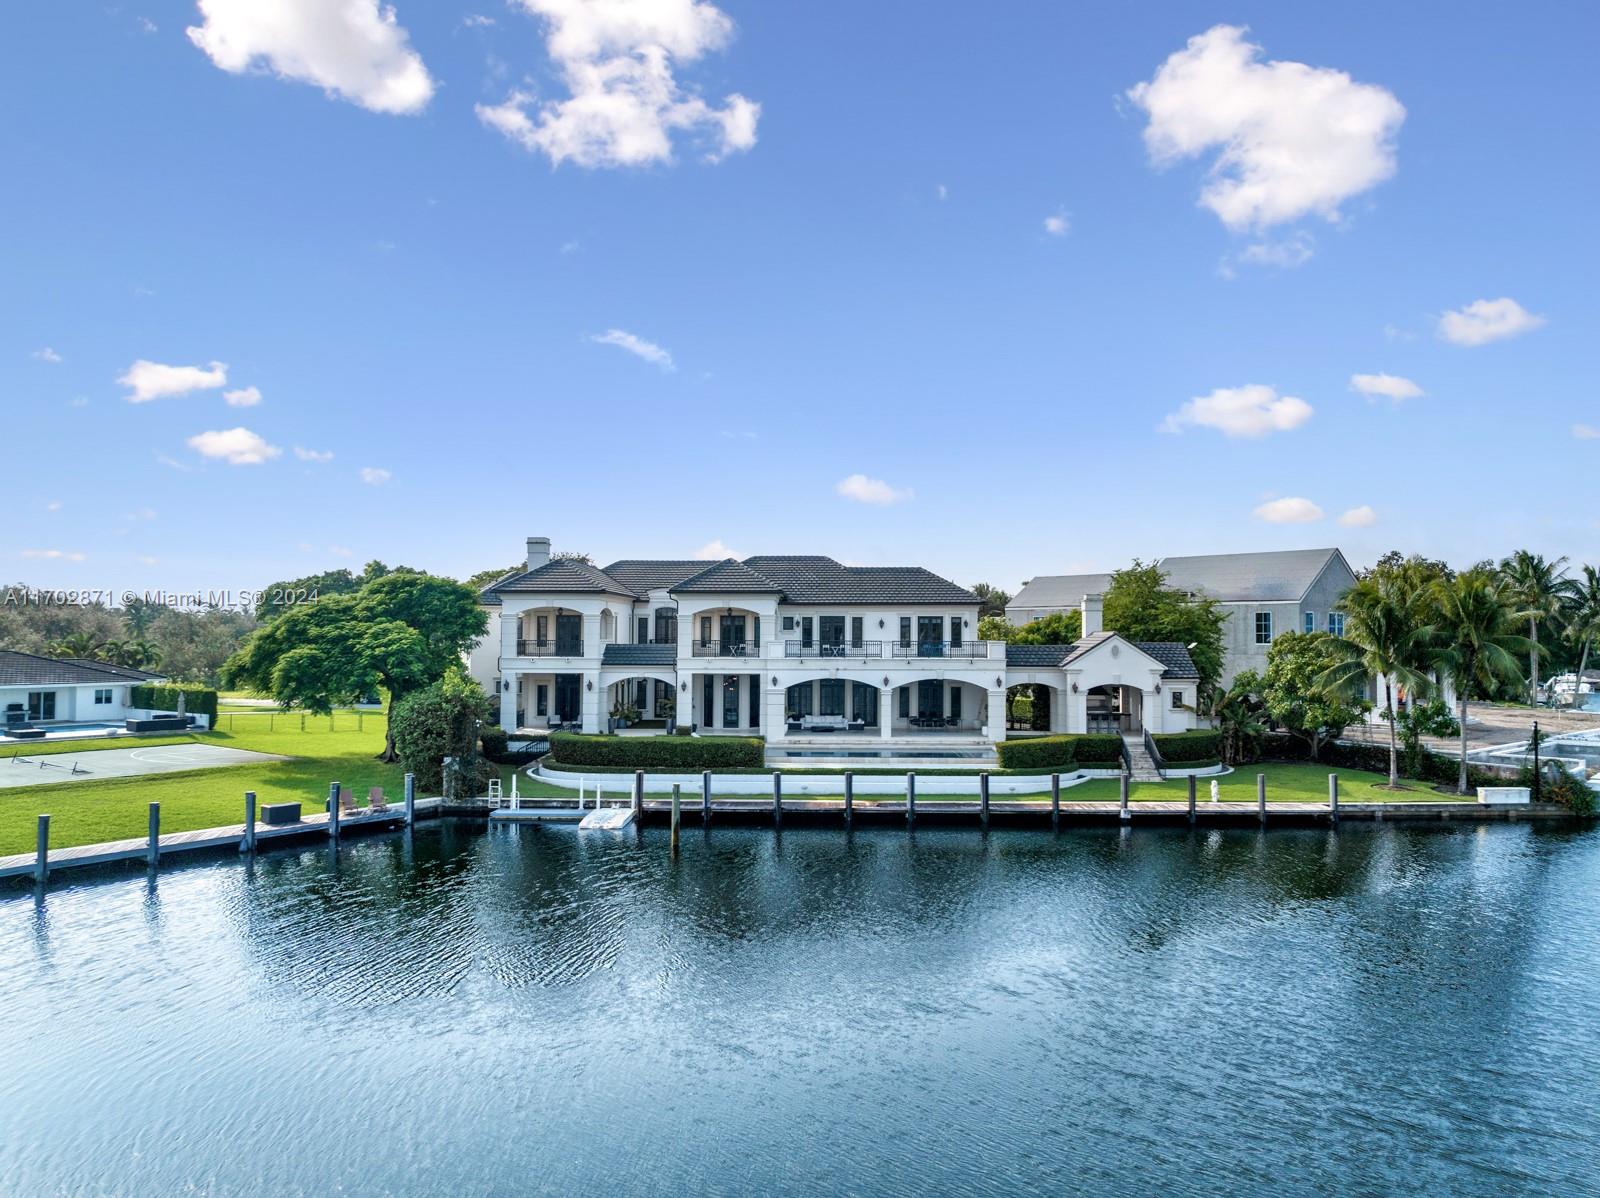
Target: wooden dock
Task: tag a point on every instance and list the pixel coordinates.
(232, 837)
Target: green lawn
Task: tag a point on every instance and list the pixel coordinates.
(116, 808)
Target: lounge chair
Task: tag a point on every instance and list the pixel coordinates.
(376, 801)
(347, 802)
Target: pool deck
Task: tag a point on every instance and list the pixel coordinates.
(231, 837)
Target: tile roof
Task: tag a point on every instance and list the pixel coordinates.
(1059, 592)
(1174, 658)
(823, 580)
(563, 574)
(729, 575)
(644, 574)
(29, 669)
(639, 655)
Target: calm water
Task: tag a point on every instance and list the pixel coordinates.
(534, 1011)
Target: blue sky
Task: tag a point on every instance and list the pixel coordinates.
(454, 255)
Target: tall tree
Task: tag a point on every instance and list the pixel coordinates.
(1542, 590)
(1058, 628)
(1583, 621)
(1476, 632)
(1385, 633)
(1235, 711)
(400, 631)
(1141, 607)
(484, 577)
(991, 600)
(1290, 694)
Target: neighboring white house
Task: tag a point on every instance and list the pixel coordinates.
(794, 649)
(66, 690)
(1263, 594)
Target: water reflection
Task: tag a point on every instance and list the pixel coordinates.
(1361, 1010)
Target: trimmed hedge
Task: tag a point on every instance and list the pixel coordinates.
(675, 753)
(198, 700)
(1093, 750)
(1184, 747)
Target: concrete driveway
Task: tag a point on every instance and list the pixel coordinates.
(21, 769)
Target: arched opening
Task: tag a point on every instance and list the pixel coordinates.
(726, 632)
(640, 705)
(1114, 707)
(1031, 707)
(550, 632)
(831, 705)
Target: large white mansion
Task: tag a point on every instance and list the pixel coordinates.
(789, 648)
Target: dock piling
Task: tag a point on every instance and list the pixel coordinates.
(1191, 798)
(1333, 797)
(1125, 814)
(1055, 802)
(248, 844)
(911, 798)
(41, 860)
(983, 799)
(777, 798)
(675, 796)
(849, 797)
(333, 811)
(638, 794)
(705, 798)
(152, 853)
(411, 798)
(1261, 798)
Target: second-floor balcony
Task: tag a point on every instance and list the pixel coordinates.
(804, 648)
(728, 648)
(961, 650)
(556, 647)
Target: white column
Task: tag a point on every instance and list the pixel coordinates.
(1151, 700)
(1059, 710)
(591, 696)
(510, 692)
(997, 713)
(886, 710)
(772, 724)
(1077, 708)
(508, 634)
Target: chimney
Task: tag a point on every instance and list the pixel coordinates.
(538, 552)
(1093, 611)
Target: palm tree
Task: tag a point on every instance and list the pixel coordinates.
(1583, 621)
(1475, 632)
(1235, 712)
(1385, 633)
(77, 644)
(1542, 590)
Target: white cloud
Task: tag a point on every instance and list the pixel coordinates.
(53, 554)
(375, 476)
(941, 191)
(236, 446)
(1057, 224)
(55, 504)
(617, 60)
(1586, 432)
(78, 401)
(171, 463)
(146, 25)
(1359, 517)
(1253, 410)
(150, 561)
(144, 513)
(861, 489)
(244, 397)
(1291, 139)
(1390, 386)
(339, 551)
(48, 355)
(1483, 321)
(313, 455)
(152, 380)
(1289, 510)
(474, 20)
(353, 49)
(1284, 255)
(1394, 332)
(714, 551)
(637, 346)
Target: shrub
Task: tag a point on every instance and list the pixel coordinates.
(1183, 747)
(197, 700)
(683, 754)
(494, 741)
(1056, 753)
(436, 722)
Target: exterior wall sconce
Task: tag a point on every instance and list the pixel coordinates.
(1074, 688)
(507, 685)
(885, 677)
(880, 621)
(684, 687)
(1158, 688)
(774, 680)
(589, 686)
(999, 682)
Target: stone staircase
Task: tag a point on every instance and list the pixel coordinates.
(1144, 766)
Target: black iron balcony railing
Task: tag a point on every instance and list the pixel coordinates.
(559, 647)
(746, 648)
(961, 649)
(833, 649)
